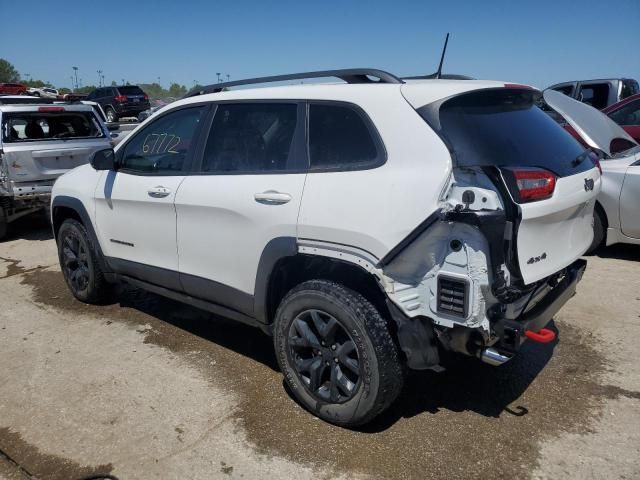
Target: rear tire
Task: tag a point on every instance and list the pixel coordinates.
(598, 231)
(336, 353)
(80, 266)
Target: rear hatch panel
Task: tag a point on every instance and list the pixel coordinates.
(41, 146)
(503, 129)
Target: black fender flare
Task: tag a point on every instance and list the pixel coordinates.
(275, 250)
(77, 206)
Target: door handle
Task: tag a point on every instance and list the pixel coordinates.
(159, 192)
(271, 197)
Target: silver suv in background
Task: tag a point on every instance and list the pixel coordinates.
(38, 143)
(598, 93)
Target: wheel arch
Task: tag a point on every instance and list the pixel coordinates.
(603, 214)
(63, 208)
(282, 266)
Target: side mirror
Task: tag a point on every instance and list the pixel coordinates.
(104, 159)
(112, 127)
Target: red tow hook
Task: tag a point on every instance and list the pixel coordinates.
(543, 336)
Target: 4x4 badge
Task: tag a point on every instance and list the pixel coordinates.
(588, 184)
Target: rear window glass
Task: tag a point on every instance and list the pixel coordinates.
(37, 126)
(130, 90)
(504, 128)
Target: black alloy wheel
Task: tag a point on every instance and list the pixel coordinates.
(324, 356)
(80, 265)
(75, 262)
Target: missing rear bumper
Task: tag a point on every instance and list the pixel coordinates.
(512, 333)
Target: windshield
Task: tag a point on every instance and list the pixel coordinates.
(39, 126)
(504, 128)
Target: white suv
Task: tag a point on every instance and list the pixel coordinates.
(367, 226)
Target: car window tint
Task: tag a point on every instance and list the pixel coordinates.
(628, 114)
(629, 87)
(165, 144)
(130, 90)
(596, 95)
(250, 137)
(339, 138)
(567, 89)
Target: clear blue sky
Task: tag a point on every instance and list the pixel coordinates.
(536, 42)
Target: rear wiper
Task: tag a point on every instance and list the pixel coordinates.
(580, 158)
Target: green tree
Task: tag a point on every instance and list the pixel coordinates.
(86, 89)
(176, 90)
(8, 72)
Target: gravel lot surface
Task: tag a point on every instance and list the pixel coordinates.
(148, 388)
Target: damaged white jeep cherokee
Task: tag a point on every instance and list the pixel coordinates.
(367, 226)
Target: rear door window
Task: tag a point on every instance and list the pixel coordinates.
(252, 138)
(165, 145)
(504, 128)
(629, 87)
(49, 126)
(595, 94)
(341, 138)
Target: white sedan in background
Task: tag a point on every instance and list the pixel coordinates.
(617, 211)
(44, 92)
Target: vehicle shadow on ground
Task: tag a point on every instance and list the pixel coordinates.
(620, 251)
(34, 226)
(242, 339)
(466, 384)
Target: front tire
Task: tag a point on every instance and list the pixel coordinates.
(336, 353)
(79, 264)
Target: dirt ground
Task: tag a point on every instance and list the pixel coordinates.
(147, 388)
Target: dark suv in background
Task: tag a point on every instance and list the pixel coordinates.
(119, 102)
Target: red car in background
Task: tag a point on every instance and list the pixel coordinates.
(12, 89)
(626, 113)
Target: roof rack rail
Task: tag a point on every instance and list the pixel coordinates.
(352, 75)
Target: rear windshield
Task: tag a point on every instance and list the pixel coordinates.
(130, 90)
(40, 126)
(504, 128)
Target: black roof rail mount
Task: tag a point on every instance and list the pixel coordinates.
(443, 76)
(351, 75)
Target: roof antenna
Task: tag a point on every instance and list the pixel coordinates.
(444, 50)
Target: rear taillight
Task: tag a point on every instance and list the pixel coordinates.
(533, 184)
(51, 109)
(121, 98)
(146, 97)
